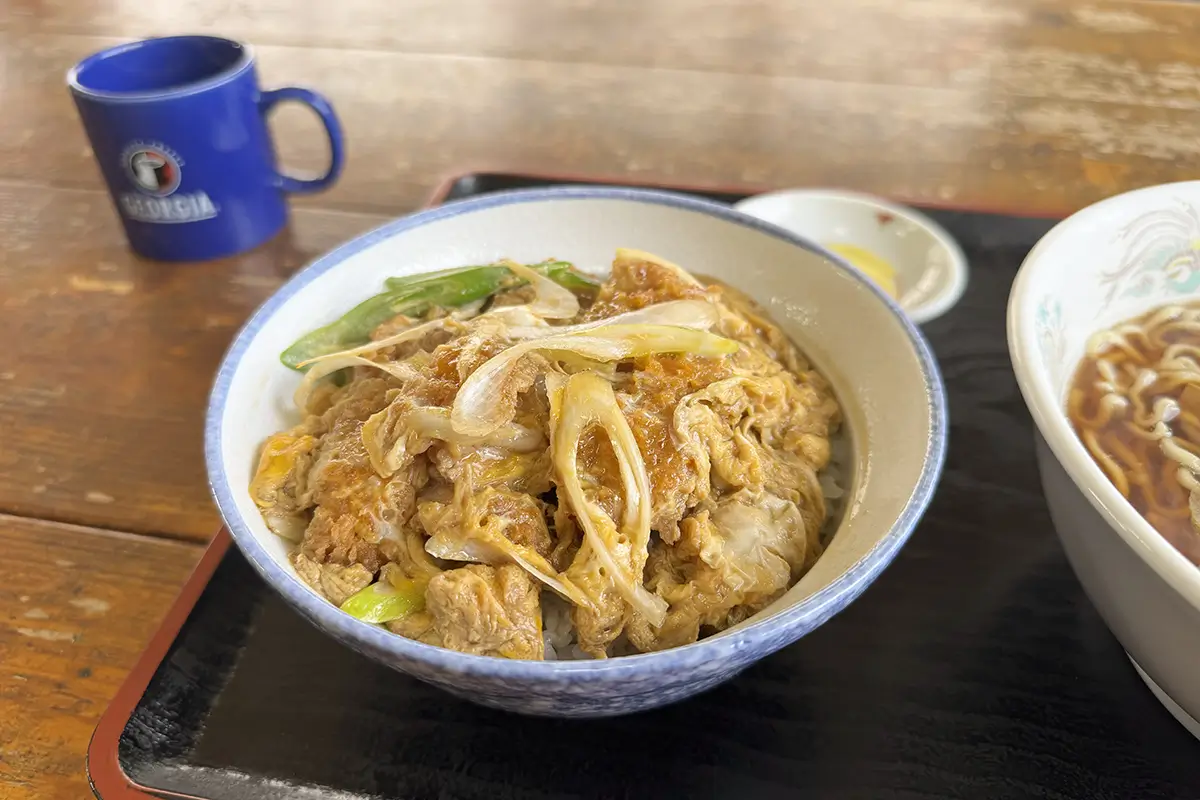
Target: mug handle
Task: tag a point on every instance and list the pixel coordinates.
(333, 128)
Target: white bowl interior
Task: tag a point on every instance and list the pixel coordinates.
(835, 317)
(930, 267)
(1108, 263)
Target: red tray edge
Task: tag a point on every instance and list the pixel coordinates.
(442, 190)
(105, 775)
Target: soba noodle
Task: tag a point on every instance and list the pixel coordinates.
(1135, 403)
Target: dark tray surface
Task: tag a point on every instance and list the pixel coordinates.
(974, 668)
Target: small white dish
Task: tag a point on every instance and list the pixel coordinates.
(930, 268)
(1111, 262)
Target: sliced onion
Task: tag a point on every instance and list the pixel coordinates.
(329, 363)
(588, 399)
(513, 318)
(516, 322)
(388, 459)
(434, 423)
(400, 370)
(286, 526)
(487, 544)
(550, 300)
(406, 335)
(699, 315)
(477, 410)
(495, 550)
(429, 423)
(626, 255)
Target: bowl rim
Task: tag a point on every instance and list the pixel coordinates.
(958, 268)
(1051, 418)
(758, 637)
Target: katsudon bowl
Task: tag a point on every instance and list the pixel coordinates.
(893, 437)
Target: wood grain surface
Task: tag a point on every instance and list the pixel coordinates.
(1025, 106)
(105, 360)
(77, 606)
(103, 395)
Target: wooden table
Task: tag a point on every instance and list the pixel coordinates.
(105, 360)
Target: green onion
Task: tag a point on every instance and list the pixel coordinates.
(355, 327)
(414, 295)
(561, 272)
(567, 276)
(386, 601)
(479, 409)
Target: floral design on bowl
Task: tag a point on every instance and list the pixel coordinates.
(1051, 335)
(1162, 255)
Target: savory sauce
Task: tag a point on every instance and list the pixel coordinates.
(1135, 404)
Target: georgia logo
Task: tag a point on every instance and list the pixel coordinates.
(154, 168)
(155, 171)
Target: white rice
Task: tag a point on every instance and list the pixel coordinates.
(557, 633)
(559, 636)
(835, 479)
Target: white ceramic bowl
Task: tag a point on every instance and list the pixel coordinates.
(1107, 263)
(931, 270)
(887, 381)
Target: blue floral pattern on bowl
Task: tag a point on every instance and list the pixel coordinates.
(1161, 256)
(1051, 336)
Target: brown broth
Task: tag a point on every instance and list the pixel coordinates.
(1122, 443)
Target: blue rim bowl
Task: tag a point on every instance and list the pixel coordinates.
(589, 687)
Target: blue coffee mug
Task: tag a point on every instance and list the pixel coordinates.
(179, 127)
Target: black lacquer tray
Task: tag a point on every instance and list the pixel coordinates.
(973, 668)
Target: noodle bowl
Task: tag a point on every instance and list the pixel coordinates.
(1104, 331)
